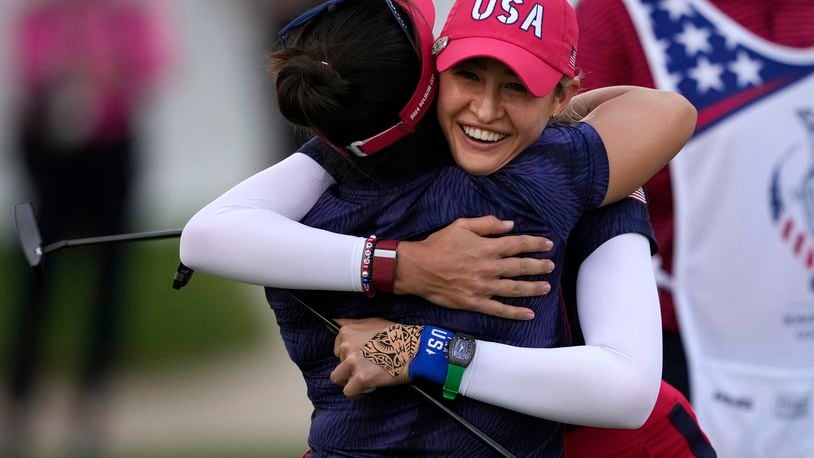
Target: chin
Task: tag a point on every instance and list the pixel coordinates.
(480, 163)
(478, 170)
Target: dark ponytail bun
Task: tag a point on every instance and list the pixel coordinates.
(309, 92)
(346, 75)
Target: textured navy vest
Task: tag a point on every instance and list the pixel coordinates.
(544, 190)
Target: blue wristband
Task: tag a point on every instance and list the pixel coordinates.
(430, 362)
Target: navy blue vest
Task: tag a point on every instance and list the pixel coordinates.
(544, 190)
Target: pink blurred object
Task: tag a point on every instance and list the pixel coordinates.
(97, 58)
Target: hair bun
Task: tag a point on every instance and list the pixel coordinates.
(310, 92)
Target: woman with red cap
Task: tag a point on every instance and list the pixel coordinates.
(543, 181)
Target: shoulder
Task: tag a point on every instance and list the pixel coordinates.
(569, 141)
(564, 157)
(314, 148)
(629, 215)
(562, 150)
(325, 156)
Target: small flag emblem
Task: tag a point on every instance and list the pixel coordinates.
(639, 195)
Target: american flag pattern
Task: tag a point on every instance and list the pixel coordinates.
(717, 73)
(638, 195)
(721, 76)
(743, 191)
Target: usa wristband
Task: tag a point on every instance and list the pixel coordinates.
(430, 362)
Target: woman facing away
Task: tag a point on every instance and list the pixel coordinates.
(541, 181)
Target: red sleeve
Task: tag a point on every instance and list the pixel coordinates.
(609, 51)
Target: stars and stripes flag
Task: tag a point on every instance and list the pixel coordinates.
(719, 75)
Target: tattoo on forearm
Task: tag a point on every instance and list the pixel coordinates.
(393, 348)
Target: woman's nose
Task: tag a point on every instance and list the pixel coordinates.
(487, 106)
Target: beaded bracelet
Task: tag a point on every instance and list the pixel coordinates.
(367, 266)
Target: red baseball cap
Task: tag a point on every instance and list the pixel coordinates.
(537, 39)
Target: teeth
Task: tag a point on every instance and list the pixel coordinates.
(483, 135)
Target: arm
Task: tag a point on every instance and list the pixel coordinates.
(251, 234)
(642, 130)
(612, 381)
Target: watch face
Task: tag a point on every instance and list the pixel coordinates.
(461, 350)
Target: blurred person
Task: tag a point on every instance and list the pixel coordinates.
(85, 68)
(273, 15)
(732, 214)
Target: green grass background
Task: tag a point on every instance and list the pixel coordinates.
(161, 327)
(163, 330)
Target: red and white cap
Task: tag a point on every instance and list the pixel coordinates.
(537, 39)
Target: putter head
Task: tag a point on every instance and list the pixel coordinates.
(28, 234)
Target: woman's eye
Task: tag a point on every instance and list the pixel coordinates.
(466, 74)
(516, 87)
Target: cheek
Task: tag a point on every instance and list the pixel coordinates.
(530, 122)
(442, 105)
(442, 113)
(535, 118)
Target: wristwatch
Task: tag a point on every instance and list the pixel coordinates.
(460, 351)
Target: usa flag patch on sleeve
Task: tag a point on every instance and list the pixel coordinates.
(639, 195)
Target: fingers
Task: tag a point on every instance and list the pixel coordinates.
(342, 373)
(355, 387)
(512, 245)
(354, 333)
(343, 348)
(515, 288)
(507, 245)
(347, 340)
(515, 267)
(357, 376)
(485, 225)
(344, 321)
(499, 309)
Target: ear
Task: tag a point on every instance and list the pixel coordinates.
(564, 98)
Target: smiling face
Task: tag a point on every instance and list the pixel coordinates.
(488, 115)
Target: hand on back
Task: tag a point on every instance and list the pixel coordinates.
(462, 267)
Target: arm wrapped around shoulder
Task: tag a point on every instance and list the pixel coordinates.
(642, 129)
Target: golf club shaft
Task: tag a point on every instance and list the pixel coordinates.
(329, 323)
(463, 422)
(152, 235)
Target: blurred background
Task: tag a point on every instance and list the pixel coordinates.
(124, 116)
(119, 116)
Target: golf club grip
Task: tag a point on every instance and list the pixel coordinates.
(333, 326)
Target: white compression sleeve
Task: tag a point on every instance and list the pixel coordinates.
(252, 234)
(614, 379)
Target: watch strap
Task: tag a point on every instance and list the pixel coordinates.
(453, 382)
(384, 265)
